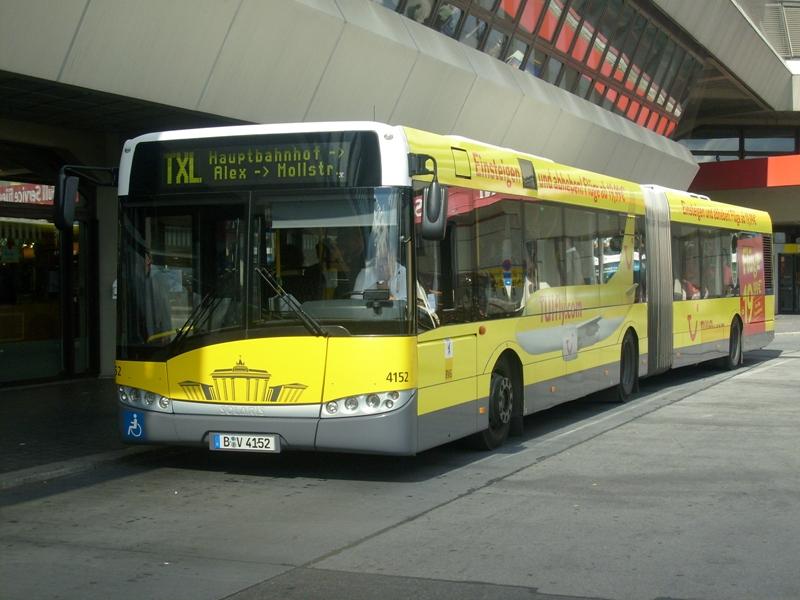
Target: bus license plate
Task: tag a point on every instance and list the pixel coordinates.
(244, 442)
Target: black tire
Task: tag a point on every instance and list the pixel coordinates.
(501, 409)
(734, 358)
(628, 368)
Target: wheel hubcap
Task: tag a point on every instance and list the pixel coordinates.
(503, 401)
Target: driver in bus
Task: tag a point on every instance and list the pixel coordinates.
(381, 272)
(351, 249)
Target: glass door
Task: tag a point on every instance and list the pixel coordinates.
(30, 296)
(788, 284)
(80, 298)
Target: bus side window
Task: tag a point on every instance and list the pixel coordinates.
(640, 261)
(580, 228)
(500, 263)
(686, 262)
(547, 227)
(444, 273)
(712, 260)
(608, 247)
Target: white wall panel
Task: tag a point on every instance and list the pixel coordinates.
(567, 138)
(302, 60)
(533, 124)
(433, 96)
(371, 16)
(329, 7)
(622, 163)
(669, 168)
(492, 101)
(535, 120)
(159, 51)
(438, 84)
(728, 34)
(365, 74)
(269, 67)
(35, 35)
(597, 149)
(565, 128)
(646, 165)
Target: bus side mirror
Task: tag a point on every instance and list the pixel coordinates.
(434, 211)
(66, 191)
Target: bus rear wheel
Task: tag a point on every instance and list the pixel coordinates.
(628, 368)
(501, 406)
(734, 358)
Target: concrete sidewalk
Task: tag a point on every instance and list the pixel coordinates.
(62, 428)
(57, 429)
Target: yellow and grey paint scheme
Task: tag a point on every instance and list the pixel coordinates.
(565, 344)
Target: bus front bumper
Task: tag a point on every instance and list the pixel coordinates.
(394, 432)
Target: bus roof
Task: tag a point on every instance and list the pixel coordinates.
(468, 163)
(692, 209)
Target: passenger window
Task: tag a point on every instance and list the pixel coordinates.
(608, 247)
(686, 262)
(640, 261)
(446, 269)
(580, 229)
(712, 258)
(500, 265)
(544, 228)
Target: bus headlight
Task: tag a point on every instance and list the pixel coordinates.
(143, 399)
(367, 404)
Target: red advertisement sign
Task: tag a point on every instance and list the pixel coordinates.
(27, 193)
(752, 285)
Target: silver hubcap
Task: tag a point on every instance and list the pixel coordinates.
(504, 400)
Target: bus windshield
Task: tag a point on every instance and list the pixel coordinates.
(203, 269)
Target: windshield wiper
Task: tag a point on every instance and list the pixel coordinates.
(310, 322)
(206, 306)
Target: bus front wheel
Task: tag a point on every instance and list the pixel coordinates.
(501, 405)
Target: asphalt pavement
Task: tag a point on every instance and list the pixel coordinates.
(58, 429)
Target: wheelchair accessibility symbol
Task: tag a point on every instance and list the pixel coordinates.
(133, 425)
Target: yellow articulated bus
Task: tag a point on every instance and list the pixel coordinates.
(361, 287)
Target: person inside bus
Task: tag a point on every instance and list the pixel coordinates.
(532, 282)
(381, 274)
(728, 286)
(350, 244)
(381, 271)
(574, 265)
(689, 282)
(291, 272)
(155, 302)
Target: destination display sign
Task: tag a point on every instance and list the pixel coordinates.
(336, 159)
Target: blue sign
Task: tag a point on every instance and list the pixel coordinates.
(133, 425)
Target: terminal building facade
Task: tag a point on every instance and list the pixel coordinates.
(690, 95)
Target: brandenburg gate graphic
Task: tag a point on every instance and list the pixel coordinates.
(242, 385)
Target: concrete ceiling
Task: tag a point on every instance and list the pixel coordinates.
(85, 112)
